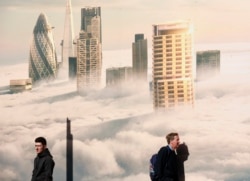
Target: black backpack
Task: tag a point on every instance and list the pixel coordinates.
(152, 168)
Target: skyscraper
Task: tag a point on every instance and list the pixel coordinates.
(67, 42)
(207, 64)
(117, 76)
(72, 67)
(172, 65)
(43, 60)
(140, 57)
(69, 152)
(91, 22)
(89, 50)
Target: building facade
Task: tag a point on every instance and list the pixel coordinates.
(43, 59)
(91, 22)
(140, 57)
(89, 51)
(207, 64)
(72, 67)
(118, 75)
(172, 65)
(20, 85)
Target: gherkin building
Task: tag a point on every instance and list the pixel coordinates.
(43, 60)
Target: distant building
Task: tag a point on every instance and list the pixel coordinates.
(91, 22)
(20, 85)
(67, 42)
(117, 76)
(43, 60)
(89, 51)
(172, 65)
(69, 152)
(72, 67)
(207, 64)
(140, 57)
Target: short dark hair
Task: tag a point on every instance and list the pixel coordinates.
(41, 140)
(171, 136)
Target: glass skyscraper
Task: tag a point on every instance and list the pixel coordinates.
(43, 60)
(140, 57)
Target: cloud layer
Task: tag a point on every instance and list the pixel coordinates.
(116, 131)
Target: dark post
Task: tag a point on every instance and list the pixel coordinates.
(69, 152)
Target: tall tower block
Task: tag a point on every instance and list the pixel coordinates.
(140, 57)
(69, 152)
(89, 50)
(172, 65)
(68, 37)
(91, 22)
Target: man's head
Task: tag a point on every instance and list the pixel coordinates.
(173, 140)
(40, 144)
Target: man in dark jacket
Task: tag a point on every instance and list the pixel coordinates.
(43, 163)
(167, 167)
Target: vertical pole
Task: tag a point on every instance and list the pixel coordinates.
(69, 153)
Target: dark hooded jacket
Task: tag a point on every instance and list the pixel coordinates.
(43, 167)
(166, 163)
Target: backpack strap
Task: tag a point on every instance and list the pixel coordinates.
(167, 158)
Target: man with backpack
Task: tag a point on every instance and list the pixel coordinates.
(166, 162)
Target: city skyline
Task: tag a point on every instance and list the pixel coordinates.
(214, 21)
(116, 130)
(120, 123)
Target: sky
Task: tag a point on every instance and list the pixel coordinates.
(116, 130)
(214, 21)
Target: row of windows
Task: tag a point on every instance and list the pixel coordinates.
(170, 36)
(170, 75)
(160, 45)
(177, 55)
(171, 83)
(169, 66)
(162, 101)
(177, 49)
(172, 40)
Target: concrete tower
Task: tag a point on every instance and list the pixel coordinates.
(89, 51)
(172, 65)
(67, 42)
(207, 64)
(43, 60)
(140, 57)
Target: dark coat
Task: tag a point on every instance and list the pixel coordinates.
(43, 167)
(182, 155)
(167, 169)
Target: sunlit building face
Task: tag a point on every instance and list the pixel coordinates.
(172, 65)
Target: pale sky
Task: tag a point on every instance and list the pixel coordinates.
(215, 21)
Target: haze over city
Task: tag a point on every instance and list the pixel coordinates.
(116, 130)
